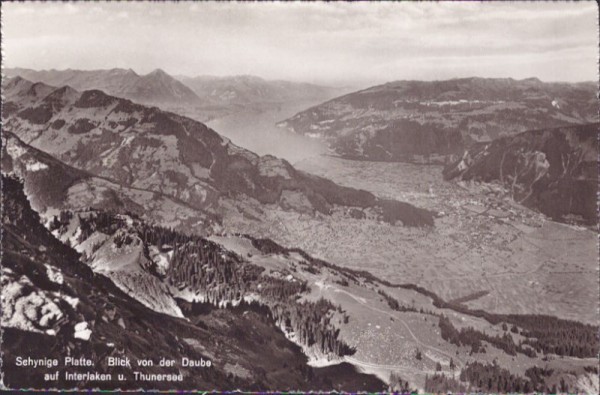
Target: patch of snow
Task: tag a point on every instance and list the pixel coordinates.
(15, 150)
(71, 300)
(251, 298)
(74, 239)
(127, 140)
(53, 274)
(35, 166)
(87, 246)
(160, 260)
(588, 383)
(24, 308)
(81, 331)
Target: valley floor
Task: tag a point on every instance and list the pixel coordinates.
(502, 256)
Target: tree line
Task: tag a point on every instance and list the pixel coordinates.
(473, 338)
(493, 378)
(221, 276)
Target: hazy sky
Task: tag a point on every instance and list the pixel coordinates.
(316, 42)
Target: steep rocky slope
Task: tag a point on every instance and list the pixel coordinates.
(53, 303)
(149, 150)
(54, 306)
(164, 270)
(323, 308)
(424, 121)
(552, 170)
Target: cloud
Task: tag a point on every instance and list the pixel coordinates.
(317, 41)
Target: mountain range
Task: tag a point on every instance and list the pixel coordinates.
(113, 150)
(427, 121)
(156, 87)
(201, 97)
(247, 90)
(132, 231)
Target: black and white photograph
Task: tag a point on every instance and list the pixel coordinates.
(359, 197)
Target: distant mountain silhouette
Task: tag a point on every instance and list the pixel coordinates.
(247, 90)
(202, 97)
(155, 88)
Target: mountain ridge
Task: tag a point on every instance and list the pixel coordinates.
(249, 90)
(427, 121)
(156, 87)
(201, 97)
(161, 152)
(141, 259)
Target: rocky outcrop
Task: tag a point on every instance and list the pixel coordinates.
(54, 306)
(554, 171)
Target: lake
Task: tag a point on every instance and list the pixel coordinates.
(256, 130)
